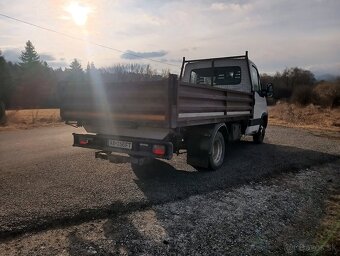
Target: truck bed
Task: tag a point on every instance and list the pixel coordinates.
(167, 103)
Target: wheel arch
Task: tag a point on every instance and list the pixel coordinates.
(199, 143)
(221, 127)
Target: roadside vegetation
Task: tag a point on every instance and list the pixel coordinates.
(30, 118)
(310, 116)
(32, 84)
(29, 87)
(301, 101)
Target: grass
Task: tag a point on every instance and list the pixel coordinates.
(328, 235)
(311, 117)
(30, 118)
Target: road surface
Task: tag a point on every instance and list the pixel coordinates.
(46, 184)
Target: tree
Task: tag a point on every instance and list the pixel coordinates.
(29, 57)
(90, 68)
(35, 85)
(290, 80)
(75, 73)
(6, 82)
(295, 77)
(76, 66)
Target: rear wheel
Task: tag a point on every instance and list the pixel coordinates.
(216, 157)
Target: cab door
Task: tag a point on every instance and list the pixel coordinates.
(260, 106)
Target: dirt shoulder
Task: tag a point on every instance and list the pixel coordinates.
(30, 118)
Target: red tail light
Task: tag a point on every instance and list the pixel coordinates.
(158, 150)
(83, 141)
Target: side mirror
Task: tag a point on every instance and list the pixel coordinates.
(269, 90)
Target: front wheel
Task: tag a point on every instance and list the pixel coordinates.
(259, 136)
(216, 157)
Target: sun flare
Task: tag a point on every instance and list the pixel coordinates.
(78, 12)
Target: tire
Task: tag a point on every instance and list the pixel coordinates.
(259, 136)
(216, 158)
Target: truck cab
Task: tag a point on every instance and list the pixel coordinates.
(233, 73)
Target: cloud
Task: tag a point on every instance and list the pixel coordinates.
(189, 49)
(12, 55)
(47, 57)
(171, 60)
(229, 7)
(58, 64)
(132, 55)
(283, 33)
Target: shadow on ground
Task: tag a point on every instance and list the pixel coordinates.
(170, 181)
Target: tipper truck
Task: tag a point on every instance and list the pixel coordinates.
(213, 102)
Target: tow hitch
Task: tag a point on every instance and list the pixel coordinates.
(120, 159)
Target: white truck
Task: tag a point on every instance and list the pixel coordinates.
(213, 102)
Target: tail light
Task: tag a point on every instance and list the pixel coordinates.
(83, 141)
(158, 150)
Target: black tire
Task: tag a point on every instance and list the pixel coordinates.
(259, 136)
(216, 158)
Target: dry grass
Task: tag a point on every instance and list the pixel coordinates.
(310, 117)
(30, 118)
(328, 235)
(284, 114)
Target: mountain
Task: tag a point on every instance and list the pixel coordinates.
(325, 77)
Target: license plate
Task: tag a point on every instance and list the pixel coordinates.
(120, 144)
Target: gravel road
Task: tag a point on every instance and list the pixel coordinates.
(76, 205)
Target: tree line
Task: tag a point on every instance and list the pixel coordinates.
(299, 86)
(31, 83)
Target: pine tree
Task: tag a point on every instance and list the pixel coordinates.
(29, 57)
(76, 73)
(90, 68)
(76, 66)
(35, 82)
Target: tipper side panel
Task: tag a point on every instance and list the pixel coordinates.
(199, 104)
(129, 103)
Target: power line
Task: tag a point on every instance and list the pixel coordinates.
(83, 40)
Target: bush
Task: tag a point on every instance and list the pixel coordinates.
(326, 94)
(302, 95)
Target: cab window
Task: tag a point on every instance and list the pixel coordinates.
(219, 76)
(255, 79)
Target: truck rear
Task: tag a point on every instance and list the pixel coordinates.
(213, 100)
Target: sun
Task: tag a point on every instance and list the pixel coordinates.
(78, 12)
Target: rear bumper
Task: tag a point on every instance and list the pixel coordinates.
(140, 147)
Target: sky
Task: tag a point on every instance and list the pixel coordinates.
(277, 33)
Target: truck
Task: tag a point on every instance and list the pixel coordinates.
(213, 102)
